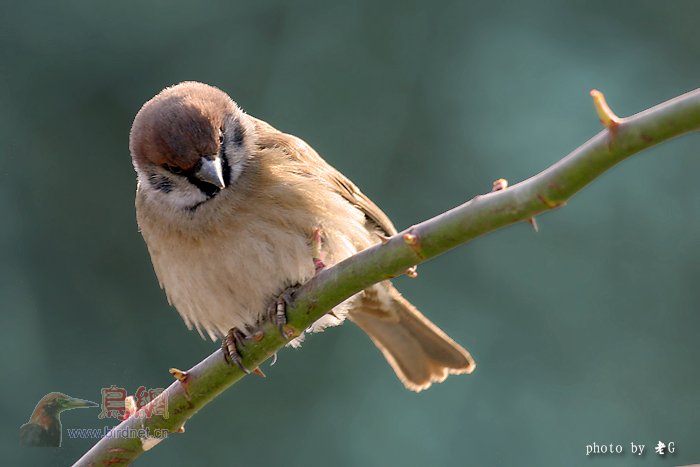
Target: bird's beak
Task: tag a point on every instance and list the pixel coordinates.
(74, 403)
(212, 171)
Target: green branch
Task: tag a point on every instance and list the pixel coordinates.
(547, 190)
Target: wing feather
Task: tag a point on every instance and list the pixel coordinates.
(296, 148)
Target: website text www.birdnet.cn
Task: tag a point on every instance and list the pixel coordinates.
(116, 432)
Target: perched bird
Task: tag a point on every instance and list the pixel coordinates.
(44, 426)
(229, 208)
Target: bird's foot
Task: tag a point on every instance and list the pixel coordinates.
(277, 311)
(230, 345)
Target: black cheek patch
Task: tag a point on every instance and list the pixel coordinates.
(225, 167)
(238, 134)
(160, 183)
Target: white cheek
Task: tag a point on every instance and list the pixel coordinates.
(237, 159)
(183, 195)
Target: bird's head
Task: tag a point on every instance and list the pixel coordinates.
(56, 402)
(188, 143)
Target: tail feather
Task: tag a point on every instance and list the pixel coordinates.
(419, 352)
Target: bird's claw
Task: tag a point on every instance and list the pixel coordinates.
(278, 310)
(229, 346)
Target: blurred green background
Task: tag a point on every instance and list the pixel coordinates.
(585, 332)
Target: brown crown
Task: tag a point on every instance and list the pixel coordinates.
(179, 125)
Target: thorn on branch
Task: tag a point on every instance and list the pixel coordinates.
(533, 222)
(500, 184)
(182, 377)
(413, 242)
(258, 372)
(179, 374)
(410, 239)
(605, 114)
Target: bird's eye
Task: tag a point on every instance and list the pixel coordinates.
(173, 169)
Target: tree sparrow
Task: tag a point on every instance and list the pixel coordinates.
(228, 207)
